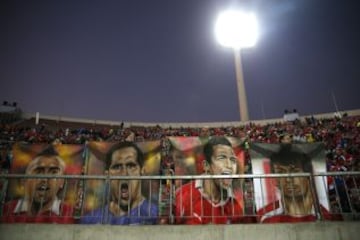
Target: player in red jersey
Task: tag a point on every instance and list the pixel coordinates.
(41, 203)
(211, 200)
(296, 202)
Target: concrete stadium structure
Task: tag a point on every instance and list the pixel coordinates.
(355, 112)
(299, 231)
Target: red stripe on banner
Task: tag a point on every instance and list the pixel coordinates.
(269, 195)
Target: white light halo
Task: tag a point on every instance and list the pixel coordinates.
(236, 29)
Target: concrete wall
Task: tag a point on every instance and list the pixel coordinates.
(299, 231)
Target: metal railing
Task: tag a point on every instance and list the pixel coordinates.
(130, 200)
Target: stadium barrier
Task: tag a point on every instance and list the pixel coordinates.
(340, 202)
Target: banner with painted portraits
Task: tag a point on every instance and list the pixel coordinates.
(44, 194)
(121, 201)
(204, 201)
(289, 199)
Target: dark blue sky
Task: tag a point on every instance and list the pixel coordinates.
(158, 60)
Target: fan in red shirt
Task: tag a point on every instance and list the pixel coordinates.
(40, 203)
(206, 201)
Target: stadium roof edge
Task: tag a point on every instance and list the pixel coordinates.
(178, 124)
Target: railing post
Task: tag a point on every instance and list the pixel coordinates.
(108, 197)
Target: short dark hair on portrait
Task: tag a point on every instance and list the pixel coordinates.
(287, 156)
(121, 145)
(209, 146)
(47, 152)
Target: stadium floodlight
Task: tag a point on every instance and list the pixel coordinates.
(238, 29)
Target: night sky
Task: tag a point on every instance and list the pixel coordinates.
(158, 60)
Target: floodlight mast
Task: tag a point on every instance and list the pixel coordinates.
(237, 29)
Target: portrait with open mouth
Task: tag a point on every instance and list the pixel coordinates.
(45, 198)
(131, 201)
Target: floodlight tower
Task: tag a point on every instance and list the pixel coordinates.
(238, 29)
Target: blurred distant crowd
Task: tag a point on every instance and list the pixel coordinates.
(341, 136)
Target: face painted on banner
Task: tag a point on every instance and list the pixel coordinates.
(223, 162)
(43, 191)
(124, 163)
(292, 187)
(179, 158)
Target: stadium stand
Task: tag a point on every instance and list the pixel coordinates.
(341, 136)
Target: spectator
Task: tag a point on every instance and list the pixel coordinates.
(353, 184)
(286, 138)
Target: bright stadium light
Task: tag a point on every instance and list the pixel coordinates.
(237, 29)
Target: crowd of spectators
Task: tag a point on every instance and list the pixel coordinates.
(341, 136)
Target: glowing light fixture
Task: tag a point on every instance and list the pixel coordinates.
(236, 29)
